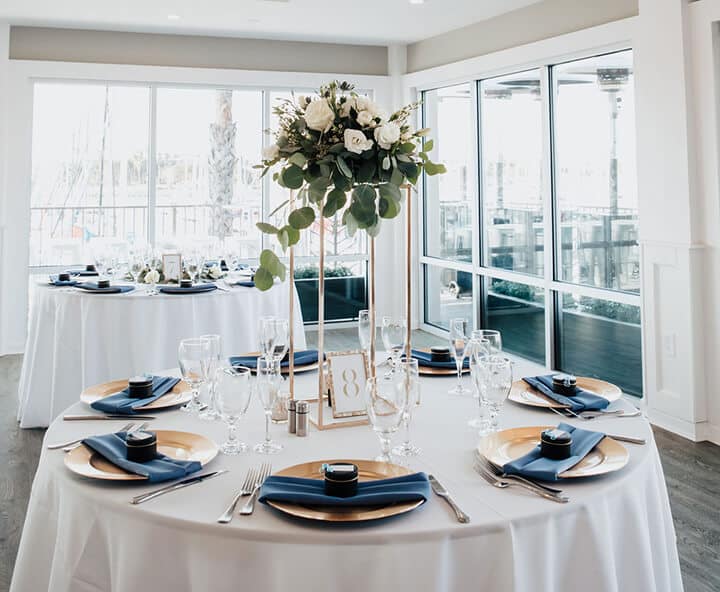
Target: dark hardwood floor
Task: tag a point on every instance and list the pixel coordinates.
(692, 472)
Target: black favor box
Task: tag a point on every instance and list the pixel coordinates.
(555, 444)
(141, 446)
(140, 387)
(440, 353)
(341, 479)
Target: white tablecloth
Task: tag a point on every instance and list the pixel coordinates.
(616, 534)
(76, 339)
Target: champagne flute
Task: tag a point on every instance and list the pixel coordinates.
(410, 383)
(211, 412)
(194, 361)
(498, 375)
(364, 329)
(233, 398)
(266, 336)
(385, 401)
(137, 264)
(458, 342)
(476, 349)
(394, 336)
(267, 384)
(282, 340)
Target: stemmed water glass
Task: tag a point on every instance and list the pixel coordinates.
(385, 401)
(194, 361)
(394, 335)
(497, 372)
(458, 342)
(233, 398)
(492, 336)
(410, 383)
(211, 412)
(267, 384)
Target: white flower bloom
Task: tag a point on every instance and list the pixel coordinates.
(319, 116)
(355, 141)
(271, 152)
(345, 107)
(302, 99)
(365, 118)
(387, 134)
(152, 276)
(407, 135)
(365, 104)
(215, 272)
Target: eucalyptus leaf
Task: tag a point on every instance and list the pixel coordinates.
(292, 177)
(366, 171)
(351, 225)
(428, 145)
(397, 177)
(283, 239)
(293, 235)
(388, 207)
(389, 190)
(298, 159)
(374, 229)
(432, 168)
(301, 218)
(263, 279)
(343, 167)
(267, 228)
(336, 200)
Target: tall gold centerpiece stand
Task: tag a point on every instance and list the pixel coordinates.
(318, 420)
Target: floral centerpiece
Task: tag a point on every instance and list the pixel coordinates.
(343, 155)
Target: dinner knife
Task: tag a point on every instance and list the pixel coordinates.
(440, 490)
(139, 499)
(109, 416)
(630, 439)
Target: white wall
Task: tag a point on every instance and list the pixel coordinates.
(4, 91)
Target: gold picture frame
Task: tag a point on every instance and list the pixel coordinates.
(172, 267)
(346, 391)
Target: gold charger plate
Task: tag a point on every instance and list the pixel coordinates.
(176, 445)
(428, 371)
(283, 369)
(368, 470)
(179, 395)
(507, 445)
(523, 394)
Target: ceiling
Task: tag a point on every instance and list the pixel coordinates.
(359, 21)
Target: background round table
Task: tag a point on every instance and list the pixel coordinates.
(615, 535)
(76, 339)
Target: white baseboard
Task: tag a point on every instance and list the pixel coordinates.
(710, 433)
(696, 432)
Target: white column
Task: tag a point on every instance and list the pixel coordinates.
(4, 91)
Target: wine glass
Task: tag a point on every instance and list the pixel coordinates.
(497, 372)
(458, 342)
(282, 340)
(191, 265)
(394, 334)
(267, 384)
(211, 412)
(136, 266)
(266, 336)
(410, 383)
(233, 398)
(493, 337)
(194, 360)
(385, 401)
(476, 349)
(364, 329)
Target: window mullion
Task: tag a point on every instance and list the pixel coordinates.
(548, 197)
(152, 166)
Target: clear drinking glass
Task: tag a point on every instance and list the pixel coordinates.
(385, 401)
(364, 330)
(498, 377)
(282, 340)
(137, 264)
(211, 412)
(266, 336)
(493, 337)
(394, 335)
(458, 342)
(194, 361)
(410, 379)
(267, 384)
(476, 349)
(233, 398)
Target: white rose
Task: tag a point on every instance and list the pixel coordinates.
(365, 118)
(152, 276)
(319, 116)
(387, 134)
(355, 141)
(271, 152)
(365, 104)
(345, 107)
(215, 272)
(302, 99)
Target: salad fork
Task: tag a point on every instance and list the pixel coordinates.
(263, 474)
(501, 483)
(246, 489)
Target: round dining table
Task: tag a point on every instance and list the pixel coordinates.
(614, 535)
(77, 339)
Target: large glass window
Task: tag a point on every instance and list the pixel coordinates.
(448, 295)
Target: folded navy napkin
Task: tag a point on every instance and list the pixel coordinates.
(196, 289)
(311, 492)
(302, 358)
(93, 287)
(535, 466)
(246, 284)
(425, 359)
(82, 272)
(54, 281)
(122, 403)
(580, 401)
(162, 468)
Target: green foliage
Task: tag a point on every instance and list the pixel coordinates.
(313, 271)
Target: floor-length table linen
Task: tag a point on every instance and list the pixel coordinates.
(76, 340)
(616, 534)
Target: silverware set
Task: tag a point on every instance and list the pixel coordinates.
(115, 417)
(139, 499)
(71, 444)
(590, 415)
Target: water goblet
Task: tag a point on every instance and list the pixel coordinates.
(410, 382)
(233, 398)
(267, 385)
(394, 335)
(194, 361)
(498, 375)
(493, 337)
(211, 411)
(458, 342)
(385, 401)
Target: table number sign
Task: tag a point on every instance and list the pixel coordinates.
(172, 267)
(346, 377)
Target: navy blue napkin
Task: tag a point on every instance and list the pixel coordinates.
(196, 289)
(82, 272)
(425, 359)
(536, 466)
(93, 287)
(246, 284)
(302, 358)
(580, 401)
(54, 281)
(122, 403)
(162, 468)
(311, 492)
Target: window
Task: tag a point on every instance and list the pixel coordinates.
(557, 139)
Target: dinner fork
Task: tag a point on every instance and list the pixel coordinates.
(77, 440)
(129, 430)
(500, 474)
(505, 483)
(249, 506)
(246, 489)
